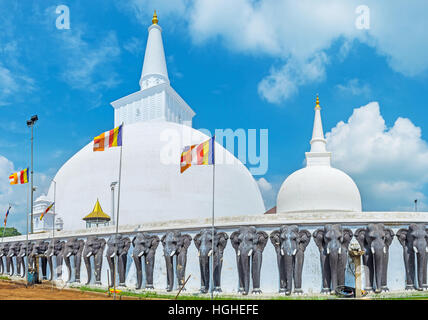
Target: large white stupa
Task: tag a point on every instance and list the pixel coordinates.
(318, 187)
(157, 125)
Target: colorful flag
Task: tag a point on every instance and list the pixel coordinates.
(108, 139)
(7, 213)
(201, 154)
(46, 211)
(19, 177)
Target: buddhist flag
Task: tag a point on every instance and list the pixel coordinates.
(198, 154)
(7, 213)
(108, 139)
(46, 211)
(19, 177)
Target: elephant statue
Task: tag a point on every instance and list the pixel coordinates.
(204, 244)
(145, 245)
(249, 245)
(414, 241)
(332, 242)
(290, 244)
(375, 239)
(94, 247)
(13, 252)
(175, 244)
(118, 245)
(24, 251)
(4, 250)
(73, 247)
(38, 251)
(55, 249)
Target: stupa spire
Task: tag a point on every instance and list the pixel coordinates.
(318, 154)
(154, 66)
(318, 142)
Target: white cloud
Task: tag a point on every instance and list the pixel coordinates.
(389, 165)
(354, 87)
(84, 63)
(297, 32)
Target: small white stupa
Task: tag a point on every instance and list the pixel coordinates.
(318, 187)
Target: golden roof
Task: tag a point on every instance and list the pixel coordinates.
(97, 213)
(317, 106)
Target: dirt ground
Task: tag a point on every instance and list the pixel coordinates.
(14, 290)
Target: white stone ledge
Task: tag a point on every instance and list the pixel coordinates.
(268, 220)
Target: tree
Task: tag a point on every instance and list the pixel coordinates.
(9, 232)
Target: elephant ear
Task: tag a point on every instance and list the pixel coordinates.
(389, 236)
(319, 238)
(127, 244)
(110, 241)
(360, 235)
(186, 240)
(304, 238)
(262, 239)
(81, 245)
(347, 236)
(402, 236)
(274, 238)
(197, 240)
(103, 243)
(234, 240)
(222, 240)
(155, 242)
(163, 239)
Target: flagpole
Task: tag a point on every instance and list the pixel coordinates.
(4, 228)
(26, 252)
(117, 216)
(53, 228)
(212, 227)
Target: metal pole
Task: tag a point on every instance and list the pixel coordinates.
(212, 228)
(26, 250)
(117, 218)
(53, 227)
(32, 189)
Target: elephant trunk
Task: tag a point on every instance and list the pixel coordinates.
(68, 265)
(88, 267)
(204, 263)
(288, 266)
(50, 267)
(378, 259)
(169, 272)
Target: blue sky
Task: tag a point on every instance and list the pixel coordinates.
(241, 64)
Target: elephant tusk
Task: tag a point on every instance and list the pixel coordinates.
(114, 254)
(89, 254)
(199, 253)
(250, 252)
(384, 249)
(239, 253)
(415, 249)
(294, 252)
(68, 254)
(426, 250)
(282, 252)
(328, 250)
(340, 250)
(172, 253)
(373, 250)
(210, 252)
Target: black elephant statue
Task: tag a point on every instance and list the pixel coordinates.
(145, 245)
(375, 239)
(249, 245)
(332, 242)
(290, 244)
(118, 246)
(4, 250)
(175, 244)
(415, 246)
(73, 247)
(24, 251)
(55, 249)
(38, 252)
(14, 249)
(204, 244)
(94, 247)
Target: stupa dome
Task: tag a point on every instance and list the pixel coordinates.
(153, 189)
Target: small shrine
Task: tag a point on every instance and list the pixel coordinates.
(97, 217)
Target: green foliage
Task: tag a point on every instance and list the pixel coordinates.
(9, 232)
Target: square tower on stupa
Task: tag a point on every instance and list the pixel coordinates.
(156, 100)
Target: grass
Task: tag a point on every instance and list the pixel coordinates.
(4, 278)
(186, 296)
